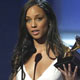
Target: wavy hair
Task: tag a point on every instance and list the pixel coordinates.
(25, 47)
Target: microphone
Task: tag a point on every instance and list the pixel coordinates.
(37, 59)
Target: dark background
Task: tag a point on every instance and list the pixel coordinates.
(68, 17)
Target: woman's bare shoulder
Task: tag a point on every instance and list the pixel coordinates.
(14, 78)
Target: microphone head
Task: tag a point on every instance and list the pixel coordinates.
(38, 57)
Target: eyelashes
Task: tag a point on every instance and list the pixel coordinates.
(37, 19)
(28, 20)
(40, 18)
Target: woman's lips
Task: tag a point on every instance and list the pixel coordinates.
(35, 32)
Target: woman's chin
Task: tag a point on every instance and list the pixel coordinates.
(36, 37)
(40, 40)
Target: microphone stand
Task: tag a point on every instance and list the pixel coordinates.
(37, 59)
(34, 71)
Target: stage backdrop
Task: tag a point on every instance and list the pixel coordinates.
(68, 17)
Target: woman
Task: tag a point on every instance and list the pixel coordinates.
(39, 37)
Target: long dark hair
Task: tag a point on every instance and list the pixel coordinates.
(25, 47)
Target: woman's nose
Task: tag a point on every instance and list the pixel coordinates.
(33, 24)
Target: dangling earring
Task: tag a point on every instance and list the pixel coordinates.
(49, 24)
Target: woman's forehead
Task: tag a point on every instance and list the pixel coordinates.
(35, 10)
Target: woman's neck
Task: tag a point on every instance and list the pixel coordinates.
(40, 45)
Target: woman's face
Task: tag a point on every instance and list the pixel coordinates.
(36, 22)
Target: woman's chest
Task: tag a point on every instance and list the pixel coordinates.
(50, 73)
(38, 69)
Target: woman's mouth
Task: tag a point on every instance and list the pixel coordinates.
(35, 32)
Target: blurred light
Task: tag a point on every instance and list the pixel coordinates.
(69, 42)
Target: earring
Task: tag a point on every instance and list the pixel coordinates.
(49, 24)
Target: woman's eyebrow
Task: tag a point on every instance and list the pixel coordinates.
(38, 15)
(27, 16)
(35, 15)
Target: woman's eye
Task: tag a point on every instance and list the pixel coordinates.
(28, 20)
(39, 19)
